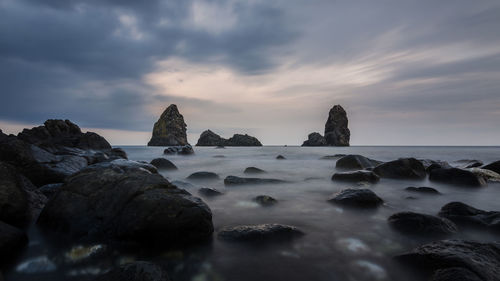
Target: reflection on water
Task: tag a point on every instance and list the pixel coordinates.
(340, 244)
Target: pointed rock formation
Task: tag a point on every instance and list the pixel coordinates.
(336, 131)
(170, 129)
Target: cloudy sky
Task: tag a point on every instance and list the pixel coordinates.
(407, 72)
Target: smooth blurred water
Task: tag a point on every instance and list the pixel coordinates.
(340, 244)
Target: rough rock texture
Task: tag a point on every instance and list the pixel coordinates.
(163, 164)
(454, 274)
(422, 189)
(203, 176)
(482, 259)
(356, 162)
(315, 139)
(209, 192)
(242, 140)
(488, 175)
(357, 176)
(463, 214)
(170, 129)
(404, 168)
(456, 176)
(336, 131)
(265, 200)
(209, 138)
(469, 163)
(253, 170)
(421, 224)
(234, 180)
(363, 198)
(12, 239)
(261, 232)
(495, 167)
(136, 271)
(126, 203)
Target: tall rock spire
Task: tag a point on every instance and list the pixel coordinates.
(170, 129)
(336, 131)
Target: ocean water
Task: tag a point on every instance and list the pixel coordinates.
(339, 244)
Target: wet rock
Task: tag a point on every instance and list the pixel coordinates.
(421, 224)
(12, 240)
(356, 162)
(463, 214)
(466, 163)
(495, 167)
(126, 165)
(242, 140)
(363, 198)
(118, 153)
(126, 203)
(233, 180)
(422, 189)
(454, 274)
(37, 265)
(181, 150)
(254, 170)
(434, 164)
(315, 139)
(265, 200)
(489, 175)
(163, 164)
(203, 176)
(50, 189)
(280, 157)
(357, 176)
(336, 131)
(170, 129)
(404, 168)
(483, 259)
(209, 192)
(209, 138)
(136, 271)
(456, 176)
(261, 232)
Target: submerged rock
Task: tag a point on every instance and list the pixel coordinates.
(463, 214)
(12, 240)
(364, 198)
(358, 176)
(483, 259)
(315, 139)
(265, 200)
(422, 189)
(209, 192)
(495, 167)
(136, 271)
(203, 176)
(181, 150)
(261, 232)
(421, 224)
(234, 180)
(126, 204)
(404, 168)
(280, 157)
(163, 164)
(336, 131)
(356, 162)
(456, 176)
(209, 138)
(170, 129)
(254, 170)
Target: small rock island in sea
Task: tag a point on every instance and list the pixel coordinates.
(209, 138)
(170, 129)
(336, 131)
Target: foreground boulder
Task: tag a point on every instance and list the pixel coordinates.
(336, 131)
(261, 232)
(12, 240)
(234, 180)
(124, 203)
(421, 224)
(404, 168)
(209, 138)
(314, 139)
(363, 198)
(136, 271)
(170, 129)
(358, 176)
(163, 164)
(482, 259)
(456, 176)
(356, 162)
(495, 167)
(463, 214)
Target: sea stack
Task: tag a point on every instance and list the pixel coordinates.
(209, 138)
(170, 129)
(336, 131)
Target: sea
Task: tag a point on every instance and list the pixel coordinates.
(339, 243)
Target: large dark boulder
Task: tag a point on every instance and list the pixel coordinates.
(336, 131)
(242, 140)
(357, 176)
(456, 176)
(163, 164)
(12, 240)
(356, 162)
(315, 139)
(136, 271)
(363, 198)
(170, 129)
(421, 224)
(126, 203)
(234, 180)
(495, 167)
(463, 214)
(261, 232)
(209, 138)
(482, 259)
(404, 168)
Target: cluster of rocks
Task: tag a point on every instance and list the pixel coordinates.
(336, 131)
(209, 138)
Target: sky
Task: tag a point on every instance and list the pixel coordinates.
(407, 72)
